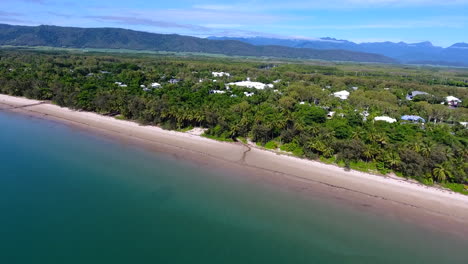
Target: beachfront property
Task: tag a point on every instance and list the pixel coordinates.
(412, 94)
(385, 119)
(221, 74)
(413, 118)
(250, 84)
(343, 95)
(452, 101)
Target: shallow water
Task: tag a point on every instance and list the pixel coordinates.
(69, 196)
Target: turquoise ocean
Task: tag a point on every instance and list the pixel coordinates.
(70, 196)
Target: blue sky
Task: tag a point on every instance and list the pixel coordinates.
(441, 22)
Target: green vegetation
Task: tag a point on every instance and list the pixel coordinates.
(457, 187)
(294, 116)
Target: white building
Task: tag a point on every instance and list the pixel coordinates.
(155, 85)
(217, 92)
(385, 119)
(221, 74)
(250, 84)
(343, 95)
(452, 100)
(248, 94)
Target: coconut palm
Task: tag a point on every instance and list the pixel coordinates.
(392, 159)
(442, 171)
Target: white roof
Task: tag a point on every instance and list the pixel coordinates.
(218, 91)
(248, 94)
(342, 94)
(452, 98)
(385, 118)
(249, 84)
(220, 74)
(155, 84)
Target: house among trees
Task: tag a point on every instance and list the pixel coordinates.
(343, 95)
(174, 81)
(412, 94)
(250, 84)
(155, 85)
(121, 84)
(217, 92)
(413, 118)
(452, 101)
(221, 74)
(385, 119)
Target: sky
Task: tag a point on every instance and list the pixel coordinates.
(442, 22)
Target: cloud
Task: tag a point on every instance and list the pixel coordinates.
(346, 4)
(126, 20)
(34, 1)
(8, 14)
(214, 7)
(433, 22)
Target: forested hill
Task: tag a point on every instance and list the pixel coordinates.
(116, 38)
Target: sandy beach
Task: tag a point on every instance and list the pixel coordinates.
(398, 196)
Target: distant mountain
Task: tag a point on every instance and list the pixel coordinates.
(116, 38)
(456, 55)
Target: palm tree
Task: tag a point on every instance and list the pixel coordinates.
(415, 146)
(368, 153)
(392, 159)
(441, 172)
(426, 148)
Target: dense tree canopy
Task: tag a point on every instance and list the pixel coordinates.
(299, 114)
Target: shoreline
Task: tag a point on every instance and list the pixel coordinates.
(396, 196)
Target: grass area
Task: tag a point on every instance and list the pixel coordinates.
(120, 117)
(271, 145)
(328, 160)
(217, 138)
(364, 166)
(456, 187)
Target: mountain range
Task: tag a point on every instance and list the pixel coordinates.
(410, 53)
(117, 38)
(321, 49)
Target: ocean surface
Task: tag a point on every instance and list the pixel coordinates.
(70, 196)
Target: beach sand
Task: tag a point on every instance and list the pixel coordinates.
(439, 209)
